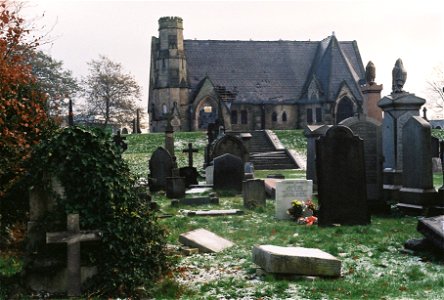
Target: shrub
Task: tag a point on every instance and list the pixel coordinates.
(99, 186)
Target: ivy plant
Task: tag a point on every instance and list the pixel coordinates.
(100, 188)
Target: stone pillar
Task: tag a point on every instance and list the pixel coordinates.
(372, 94)
(398, 109)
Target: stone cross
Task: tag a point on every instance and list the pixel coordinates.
(190, 151)
(72, 237)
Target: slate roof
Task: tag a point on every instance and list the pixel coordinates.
(274, 71)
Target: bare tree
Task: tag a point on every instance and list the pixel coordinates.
(110, 93)
(436, 88)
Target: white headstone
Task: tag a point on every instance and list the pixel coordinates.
(209, 171)
(289, 190)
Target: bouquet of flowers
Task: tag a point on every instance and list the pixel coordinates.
(304, 212)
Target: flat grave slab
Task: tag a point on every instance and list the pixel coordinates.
(270, 186)
(195, 201)
(198, 190)
(214, 212)
(204, 240)
(296, 260)
(433, 230)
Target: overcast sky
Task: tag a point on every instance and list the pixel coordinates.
(122, 30)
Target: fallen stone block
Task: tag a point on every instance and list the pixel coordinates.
(433, 230)
(204, 240)
(296, 260)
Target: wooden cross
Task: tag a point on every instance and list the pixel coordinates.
(190, 151)
(72, 237)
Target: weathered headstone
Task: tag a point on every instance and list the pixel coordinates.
(312, 132)
(370, 131)
(417, 177)
(296, 260)
(228, 144)
(205, 241)
(433, 230)
(434, 146)
(228, 172)
(340, 167)
(209, 174)
(254, 193)
(72, 237)
(398, 107)
(289, 190)
(190, 175)
(160, 165)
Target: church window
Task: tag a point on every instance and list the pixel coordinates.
(318, 115)
(284, 117)
(309, 116)
(274, 117)
(244, 117)
(172, 41)
(234, 117)
(164, 109)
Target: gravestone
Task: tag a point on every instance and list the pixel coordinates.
(205, 241)
(228, 144)
(312, 132)
(417, 177)
(433, 230)
(296, 260)
(72, 237)
(369, 131)
(340, 166)
(228, 172)
(160, 165)
(289, 190)
(398, 107)
(253, 191)
(119, 141)
(189, 173)
(209, 174)
(434, 144)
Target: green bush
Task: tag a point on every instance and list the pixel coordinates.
(100, 188)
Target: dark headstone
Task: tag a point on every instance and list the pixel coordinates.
(254, 193)
(228, 144)
(119, 141)
(125, 130)
(228, 172)
(434, 146)
(340, 167)
(433, 230)
(190, 175)
(160, 165)
(312, 132)
(370, 131)
(175, 187)
(417, 177)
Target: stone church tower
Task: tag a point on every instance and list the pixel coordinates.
(168, 81)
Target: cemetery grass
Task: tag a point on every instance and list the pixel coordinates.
(374, 265)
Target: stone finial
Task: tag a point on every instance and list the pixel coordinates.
(399, 77)
(370, 73)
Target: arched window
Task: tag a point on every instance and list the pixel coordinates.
(274, 117)
(344, 110)
(244, 117)
(284, 117)
(164, 109)
(234, 117)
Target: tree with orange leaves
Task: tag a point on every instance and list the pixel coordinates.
(22, 105)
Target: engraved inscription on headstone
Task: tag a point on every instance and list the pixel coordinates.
(289, 190)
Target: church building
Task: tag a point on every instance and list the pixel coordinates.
(251, 85)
